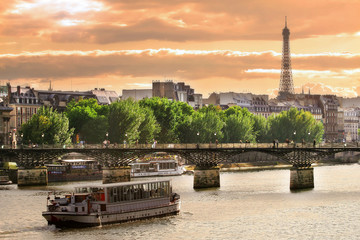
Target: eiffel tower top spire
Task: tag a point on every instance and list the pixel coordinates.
(286, 81)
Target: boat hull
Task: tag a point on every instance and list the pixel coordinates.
(153, 174)
(71, 220)
(6, 183)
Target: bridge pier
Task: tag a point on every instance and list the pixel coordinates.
(206, 177)
(118, 174)
(301, 178)
(32, 177)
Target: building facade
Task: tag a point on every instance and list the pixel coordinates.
(5, 130)
(177, 92)
(136, 94)
(351, 124)
(59, 99)
(329, 105)
(24, 102)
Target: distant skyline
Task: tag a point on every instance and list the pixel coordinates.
(219, 46)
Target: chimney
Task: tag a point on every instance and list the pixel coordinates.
(9, 91)
(18, 90)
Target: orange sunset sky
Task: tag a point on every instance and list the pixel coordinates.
(227, 45)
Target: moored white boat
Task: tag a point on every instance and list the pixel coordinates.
(4, 180)
(158, 164)
(112, 203)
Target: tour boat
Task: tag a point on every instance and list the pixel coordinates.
(112, 203)
(74, 170)
(158, 164)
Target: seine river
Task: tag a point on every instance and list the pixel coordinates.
(248, 205)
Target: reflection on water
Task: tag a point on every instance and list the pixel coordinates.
(248, 205)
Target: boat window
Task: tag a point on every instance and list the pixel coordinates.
(80, 198)
(98, 194)
(136, 192)
(110, 195)
(115, 194)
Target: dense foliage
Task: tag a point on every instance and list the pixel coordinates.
(47, 127)
(166, 121)
(171, 115)
(131, 123)
(295, 125)
(88, 119)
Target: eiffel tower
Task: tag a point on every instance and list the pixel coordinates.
(286, 88)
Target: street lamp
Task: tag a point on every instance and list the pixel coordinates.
(42, 141)
(198, 134)
(294, 138)
(106, 140)
(22, 136)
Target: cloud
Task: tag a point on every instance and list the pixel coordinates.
(185, 64)
(110, 21)
(321, 89)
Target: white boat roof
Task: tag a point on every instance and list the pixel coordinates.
(124, 183)
(76, 160)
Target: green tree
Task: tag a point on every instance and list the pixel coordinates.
(208, 123)
(129, 122)
(295, 125)
(88, 119)
(149, 128)
(171, 116)
(238, 125)
(47, 127)
(261, 128)
(95, 129)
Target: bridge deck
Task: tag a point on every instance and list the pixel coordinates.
(169, 146)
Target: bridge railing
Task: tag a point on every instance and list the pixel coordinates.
(184, 146)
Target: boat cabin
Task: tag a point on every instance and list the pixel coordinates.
(126, 192)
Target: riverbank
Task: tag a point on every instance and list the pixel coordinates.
(234, 167)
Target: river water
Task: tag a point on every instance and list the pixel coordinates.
(248, 205)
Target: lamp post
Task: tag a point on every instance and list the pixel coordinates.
(42, 140)
(294, 138)
(198, 137)
(125, 141)
(106, 140)
(22, 137)
(15, 140)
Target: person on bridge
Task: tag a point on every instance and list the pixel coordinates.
(314, 144)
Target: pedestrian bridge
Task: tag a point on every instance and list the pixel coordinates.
(205, 156)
